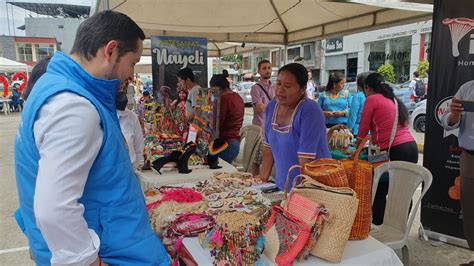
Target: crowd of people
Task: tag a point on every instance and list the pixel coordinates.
(79, 144)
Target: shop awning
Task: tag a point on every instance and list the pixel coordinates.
(228, 23)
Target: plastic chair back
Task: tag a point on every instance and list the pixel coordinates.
(251, 137)
(405, 178)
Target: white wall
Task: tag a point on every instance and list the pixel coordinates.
(355, 43)
(50, 27)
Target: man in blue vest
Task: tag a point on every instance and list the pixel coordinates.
(80, 203)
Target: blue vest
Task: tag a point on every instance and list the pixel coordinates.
(113, 201)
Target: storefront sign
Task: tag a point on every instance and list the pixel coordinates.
(334, 45)
(396, 34)
(393, 56)
(170, 54)
(452, 65)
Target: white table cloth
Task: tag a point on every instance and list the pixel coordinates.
(362, 252)
(150, 179)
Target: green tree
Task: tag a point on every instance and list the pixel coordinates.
(422, 68)
(388, 72)
(236, 58)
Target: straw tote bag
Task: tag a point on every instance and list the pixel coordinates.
(327, 171)
(360, 176)
(341, 204)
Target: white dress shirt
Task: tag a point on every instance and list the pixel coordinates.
(68, 136)
(132, 132)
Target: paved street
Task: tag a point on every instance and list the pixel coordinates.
(13, 245)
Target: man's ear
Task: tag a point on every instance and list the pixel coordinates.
(111, 51)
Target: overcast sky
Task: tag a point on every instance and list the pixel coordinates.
(19, 14)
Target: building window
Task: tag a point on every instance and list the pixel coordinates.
(294, 53)
(275, 58)
(396, 52)
(246, 63)
(44, 51)
(307, 52)
(24, 52)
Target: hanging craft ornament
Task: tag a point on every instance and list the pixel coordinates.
(23, 77)
(4, 80)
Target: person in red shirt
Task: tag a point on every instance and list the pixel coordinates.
(378, 117)
(231, 118)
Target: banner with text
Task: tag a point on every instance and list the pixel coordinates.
(170, 54)
(451, 66)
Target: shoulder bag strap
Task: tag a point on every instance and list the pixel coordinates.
(266, 93)
(394, 128)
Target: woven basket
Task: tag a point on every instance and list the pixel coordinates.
(327, 171)
(360, 175)
(341, 203)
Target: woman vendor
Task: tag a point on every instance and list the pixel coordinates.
(334, 101)
(294, 128)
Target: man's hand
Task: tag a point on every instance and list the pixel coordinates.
(456, 112)
(260, 107)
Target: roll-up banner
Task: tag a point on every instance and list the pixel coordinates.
(451, 66)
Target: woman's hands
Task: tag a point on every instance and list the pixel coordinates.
(334, 114)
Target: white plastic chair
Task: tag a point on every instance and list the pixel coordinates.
(404, 179)
(251, 137)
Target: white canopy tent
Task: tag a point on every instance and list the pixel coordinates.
(229, 23)
(7, 65)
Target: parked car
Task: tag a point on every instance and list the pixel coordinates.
(403, 94)
(418, 117)
(405, 85)
(243, 89)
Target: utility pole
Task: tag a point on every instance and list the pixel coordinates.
(8, 18)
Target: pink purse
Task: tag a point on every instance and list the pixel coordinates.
(310, 212)
(285, 236)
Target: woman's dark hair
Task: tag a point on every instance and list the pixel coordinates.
(36, 73)
(220, 81)
(378, 85)
(334, 78)
(299, 71)
(225, 73)
(103, 27)
(186, 73)
(361, 80)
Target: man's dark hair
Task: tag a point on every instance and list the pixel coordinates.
(263, 62)
(103, 27)
(416, 74)
(186, 73)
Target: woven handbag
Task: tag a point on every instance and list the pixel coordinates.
(285, 236)
(341, 203)
(327, 171)
(310, 212)
(360, 175)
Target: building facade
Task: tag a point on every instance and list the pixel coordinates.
(62, 29)
(401, 46)
(27, 50)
